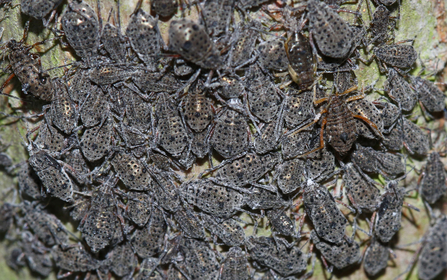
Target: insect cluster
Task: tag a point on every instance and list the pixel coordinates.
(222, 150)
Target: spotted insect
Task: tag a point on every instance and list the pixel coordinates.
(95, 108)
(50, 139)
(300, 141)
(302, 62)
(144, 36)
(138, 207)
(320, 167)
(245, 37)
(147, 270)
(276, 256)
(189, 223)
(217, 15)
(211, 198)
(381, 22)
(62, 112)
(191, 41)
(172, 132)
(376, 257)
(74, 259)
(281, 223)
(53, 176)
(269, 138)
(197, 110)
(229, 231)
(29, 183)
(35, 254)
(414, 139)
(272, 55)
(290, 175)
(113, 42)
(27, 67)
(166, 192)
(400, 90)
(431, 97)
(370, 160)
(148, 241)
(329, 222)
(38, 9)
(395, 55)
(368, 111)
(82, 30)
(298, 108)
(122, 260)
(95, 142)
(131, 171)
(235, 265)
(340, 256)
(199, 260)
(164, 8)
(432, 184)
(264, 199)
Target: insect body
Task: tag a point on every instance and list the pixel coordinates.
(433, 183)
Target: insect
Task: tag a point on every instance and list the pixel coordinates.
(263, 100)
(35, 254)
(38, 9)
(276, 256)
(29, 183)
(138, 207)
(191, 41)
(400, 90)
(376, 257)
(82, 30)
(269, 137)
(51, 173)
(199, 260)
(302, 62)
(211, 198)
(341, 255)
(235, 266)
(79, 86)
(138, 111)
(230, 232)
(397, 55)
(245, 170)
(122, 260)
(332, 34)
(281, 222)
(164, 8)
(73, 259)
(394, 139)
(264, 199)
(7, 211)
(370, 160)
(298, 108)
(360, 189)
(431, 97)
(95, 108)
(200, 146)
(62, 113)
(50, 139)
(144, 37)
(245, 37)
(148, 241)
(320, 167)
(166, 192)
(27, 67)
(131, 171)
(102, 225)
(368, 111)
(272, 55)
(290, 175)
(247, 4)
(113, 42)
(432, 184)
(172, 132)
(329, 222)
(95, 142)
(189, 223)
(197, 111)
(381, 21)
(217, 15)
(414, 139)
(389, 113)
(230, 133)
(300, 141)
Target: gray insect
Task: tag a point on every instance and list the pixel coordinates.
(432, 98)
(95, 108)
(80, 86)
(433, 185)
(50, 139)
(95, 142)
(263, 100)
(230, 133)
(389, 113)
(76, 161)
(298, 108)
(102, 225)
(148, 241)
(381, 22)
(166, 192)
(281, 222)
(370, 160)
(397, 55)
(244, 38)
(152, 82)
(217, 15)
(268, 140)
(389, 213)
(138, 207)
(35, 254)
(131, 171)
(138, 111)
(197, 111)
(394, 139)
(376, 257)
(235, 266)
(62, 113)
(329, 222)
(272, 55)
(360, 189)
(414, 139)
(432, 259)
(200, 144)
(199, 260)
(264, 199)
(333, 35)
(113, 42)
(38, 8)
(300, 141)
(29, 183)
(172, 132)
(321, 167)
(229, 231)
(340, 256)
(290, 175)
(246, 170)
(51, 173)
(5, 160)
(107, 74)
(400, 90)
(144, 37)
(189, 223)
(164, 8)
(122, 260)
(27, 67)
(211, 198)
(191, 41)
(74, 259)
(276, 256)
(368, 111)
(81, 28)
